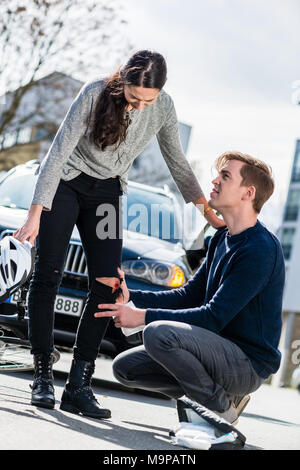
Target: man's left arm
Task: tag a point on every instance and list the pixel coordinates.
(248, 276)
(190, 295)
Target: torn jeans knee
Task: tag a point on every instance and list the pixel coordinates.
(91, 330)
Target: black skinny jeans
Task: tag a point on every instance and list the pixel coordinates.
(89, 203)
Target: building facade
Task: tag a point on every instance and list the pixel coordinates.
(36, 119)
(291, 211)
(289, 235)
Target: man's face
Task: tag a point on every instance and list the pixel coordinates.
(227, 192)
(138, 96)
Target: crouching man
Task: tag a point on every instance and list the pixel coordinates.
(214, 340)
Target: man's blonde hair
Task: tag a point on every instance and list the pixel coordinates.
(254, 172)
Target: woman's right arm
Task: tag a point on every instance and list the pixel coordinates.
(69, 133)
(66, 139)
(30, 228)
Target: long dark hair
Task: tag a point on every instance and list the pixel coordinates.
(110, 122)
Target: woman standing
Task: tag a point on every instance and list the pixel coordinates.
(107, 126)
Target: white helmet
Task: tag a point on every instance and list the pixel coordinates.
(16, 265)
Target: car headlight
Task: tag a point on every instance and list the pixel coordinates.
(156, 272)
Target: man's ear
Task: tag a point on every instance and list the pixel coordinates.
(250, 193)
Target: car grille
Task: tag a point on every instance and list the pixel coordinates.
(76, 261)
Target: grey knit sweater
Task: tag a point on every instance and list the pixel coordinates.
(73, 152)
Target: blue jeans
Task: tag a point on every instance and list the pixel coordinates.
(75, 202)
(179, 359)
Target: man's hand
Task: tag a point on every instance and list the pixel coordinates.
(124, 316)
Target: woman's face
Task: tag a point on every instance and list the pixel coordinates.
(138, 96)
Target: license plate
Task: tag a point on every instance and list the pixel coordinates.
(66, 305)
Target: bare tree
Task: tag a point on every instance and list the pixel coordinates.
(39, 36)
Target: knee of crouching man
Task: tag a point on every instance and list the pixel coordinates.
(156, 335)
(120, 367)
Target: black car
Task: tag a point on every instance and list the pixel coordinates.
(153, 257)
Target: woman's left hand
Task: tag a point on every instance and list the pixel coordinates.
(209, 213)
(217, 223)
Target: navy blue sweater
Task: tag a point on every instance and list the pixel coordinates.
(236, 293)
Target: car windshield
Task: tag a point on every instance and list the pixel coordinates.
(150, 213)
(16, 190)
(144, 211)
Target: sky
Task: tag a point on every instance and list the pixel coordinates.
(231, 66)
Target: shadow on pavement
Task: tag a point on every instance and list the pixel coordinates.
(157, 428)
(132, 393)
(270, 420)
(105, 430)
(141, 437)
(250, 447)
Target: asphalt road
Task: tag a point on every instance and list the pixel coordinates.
(270, 421)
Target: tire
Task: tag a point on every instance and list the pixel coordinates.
(15, 355)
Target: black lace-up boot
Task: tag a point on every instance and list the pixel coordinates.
(78, 396)
(42, 389)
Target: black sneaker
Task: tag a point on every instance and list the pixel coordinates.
(220, 433)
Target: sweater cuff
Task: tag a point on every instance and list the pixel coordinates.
(47, 205)
(194, 196)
